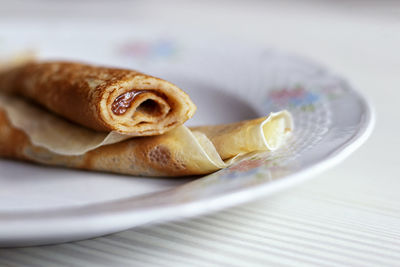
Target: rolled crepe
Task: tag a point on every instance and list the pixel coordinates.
(29, 133)
(99, 98)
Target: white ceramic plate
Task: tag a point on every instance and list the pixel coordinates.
(228, 82)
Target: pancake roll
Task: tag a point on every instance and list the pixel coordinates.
(101, 98)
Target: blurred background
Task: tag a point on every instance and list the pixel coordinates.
(359, 40)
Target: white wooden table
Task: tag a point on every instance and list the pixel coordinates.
(349, 215)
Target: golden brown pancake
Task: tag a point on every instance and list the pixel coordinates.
(101, 98)
(28, 132)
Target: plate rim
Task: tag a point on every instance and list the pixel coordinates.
(127, 218)
(185, 210)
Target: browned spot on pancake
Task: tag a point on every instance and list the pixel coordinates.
(179, 165)
(160, 155)
(161, 158)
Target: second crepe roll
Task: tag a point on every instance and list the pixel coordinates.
(100, 98)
